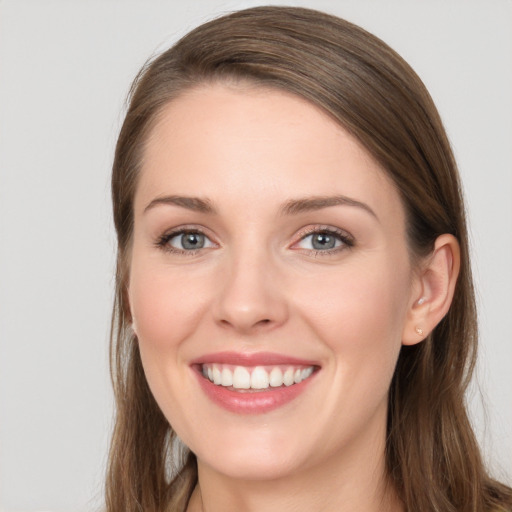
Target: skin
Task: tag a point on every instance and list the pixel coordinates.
(258, 286)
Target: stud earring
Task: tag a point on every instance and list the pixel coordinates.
(419, 331)
(421, 301)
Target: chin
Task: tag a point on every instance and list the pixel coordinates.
(251, 465)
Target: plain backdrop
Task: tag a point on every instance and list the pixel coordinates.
(65, 69)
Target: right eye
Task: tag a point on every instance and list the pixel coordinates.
(185, 241)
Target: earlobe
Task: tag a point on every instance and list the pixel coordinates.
(437, 280)
(127, 307)
(133, 322)
(133, 326)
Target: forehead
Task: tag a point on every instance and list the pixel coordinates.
(245, 142)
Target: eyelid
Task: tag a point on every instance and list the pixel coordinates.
(347, 240)
(162, 241)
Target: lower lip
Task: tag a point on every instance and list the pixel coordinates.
(251, 402)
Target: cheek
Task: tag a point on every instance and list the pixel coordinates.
(166, 305)
(359, 318)
(359, 314)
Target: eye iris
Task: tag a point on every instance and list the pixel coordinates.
(323, 241)
(192, 241)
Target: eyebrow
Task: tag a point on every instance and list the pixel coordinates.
(190, 203)
(291, 207)
(308, 204)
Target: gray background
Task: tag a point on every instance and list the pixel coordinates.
(65, 69)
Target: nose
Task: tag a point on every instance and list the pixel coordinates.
(252, 295)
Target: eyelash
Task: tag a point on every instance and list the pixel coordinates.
(163, 241)
(347, 241)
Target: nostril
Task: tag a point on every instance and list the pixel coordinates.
(250, 325)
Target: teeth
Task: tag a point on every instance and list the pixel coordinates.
(241, 378)
(306, 373)
(259, 377)
(276, 378)
(288, 377)
(217, 378)
(227, 377)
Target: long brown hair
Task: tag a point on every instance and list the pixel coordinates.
(432, 457)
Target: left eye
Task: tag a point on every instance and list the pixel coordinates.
(189, 241)
(321, 241)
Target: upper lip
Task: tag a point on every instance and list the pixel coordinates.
(252, 359)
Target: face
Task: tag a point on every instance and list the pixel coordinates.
(269, 256)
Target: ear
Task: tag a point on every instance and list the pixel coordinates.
(134, 326)
(130, 317)
(133, 323)
(433, 290)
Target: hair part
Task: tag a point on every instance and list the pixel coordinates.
(432, 457)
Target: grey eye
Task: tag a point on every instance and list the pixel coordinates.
(321, 241)
(189, 241)
(192, 241)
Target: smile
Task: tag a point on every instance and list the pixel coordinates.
(253, 383)
(255, 378)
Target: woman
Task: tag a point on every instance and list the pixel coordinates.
(294, 323)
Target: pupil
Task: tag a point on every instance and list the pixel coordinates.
(323, 241)
(192, 241)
